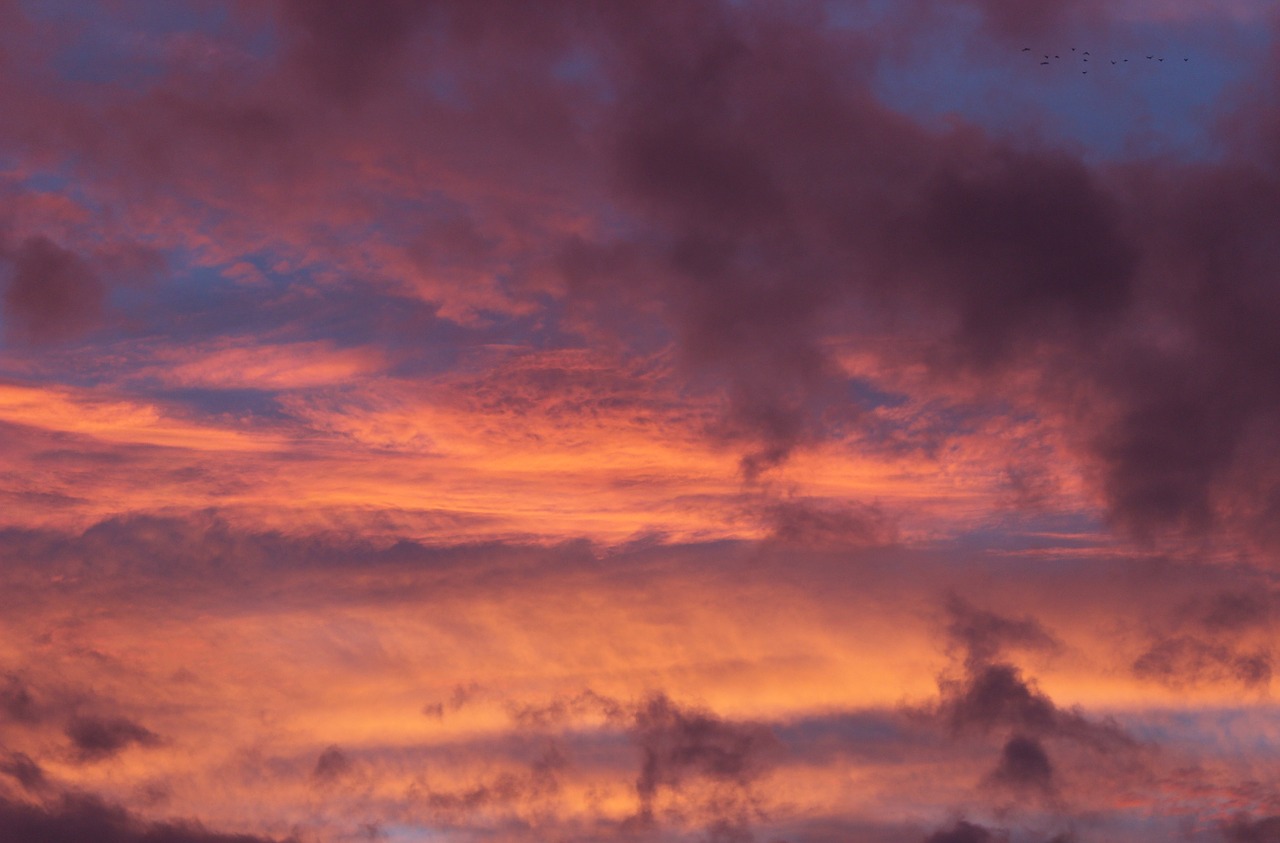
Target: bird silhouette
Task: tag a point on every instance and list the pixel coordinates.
(1150, 57)
(1044, 62)
(1161, 59)
(1186, 59)
(1113, 62)
(1026, 49)
(1086, 52)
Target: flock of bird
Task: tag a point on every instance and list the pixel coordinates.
(1084, 57)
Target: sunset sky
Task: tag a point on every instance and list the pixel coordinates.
(734, 421)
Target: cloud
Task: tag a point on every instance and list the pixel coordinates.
(333, 764)
(984, 635)
(1013, 20)
(1220, 637)
(75, 818)
(99, 738)
(346, 50)
(815, 523)
(1247, 829)
(566, 710)
(1185, 660)
(1024, 765)
(679, 744)
(769, 207)
(24, 771)
(964, 832)
(51, 293)
(17, 702)
(996, 696)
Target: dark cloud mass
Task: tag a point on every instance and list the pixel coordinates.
(984, 635)
(997, 696)
(346, 48)
(333, 764)
(51, 293)
(963, 832)
(24, 771)
(770, 204)
(890, 441)
(78, 819)
(679, 744)
(1185, 660)
(1247, 829)
(17, 701)
(99, 738)
(1024, 765)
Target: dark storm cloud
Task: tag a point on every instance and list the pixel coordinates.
(1024, 242)
(99, 738)
(784, 199)
(78, 818)
(1188, 445)
(766, 171)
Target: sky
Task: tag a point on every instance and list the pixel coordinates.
(733, 421)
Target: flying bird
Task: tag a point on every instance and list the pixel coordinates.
(1113, 61)
(1026, 49)
(1086, 52)
(1044, 62)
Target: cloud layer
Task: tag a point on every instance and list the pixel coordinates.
(670, 421)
